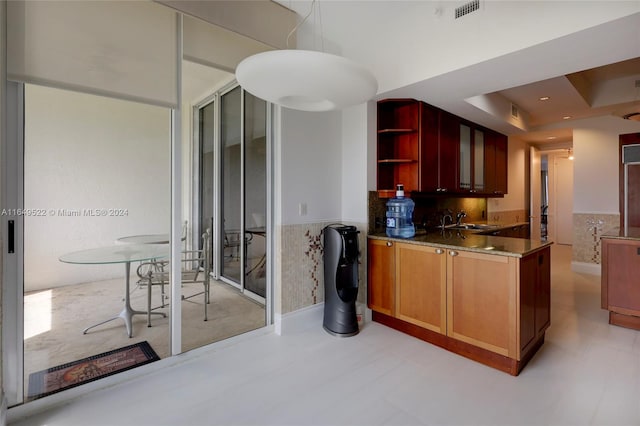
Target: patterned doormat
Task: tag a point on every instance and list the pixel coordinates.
(56, 379)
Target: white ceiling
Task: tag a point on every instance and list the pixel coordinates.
(605, 90)
(565, 98)
(543, 70)
(576, 71)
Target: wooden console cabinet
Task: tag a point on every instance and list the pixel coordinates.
(491, 308)
(620, 282)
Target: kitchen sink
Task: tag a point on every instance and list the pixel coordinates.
(477, 226)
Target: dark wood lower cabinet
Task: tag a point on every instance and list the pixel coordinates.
(493, 309)
(620, 282)
(535, 298)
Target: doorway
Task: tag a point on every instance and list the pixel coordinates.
(76, 204)
(66, 157)
(231, 157)
(557, 196)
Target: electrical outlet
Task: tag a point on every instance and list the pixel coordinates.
(302, 209)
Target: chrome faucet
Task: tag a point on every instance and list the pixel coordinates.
(443, 221)
(461, 215)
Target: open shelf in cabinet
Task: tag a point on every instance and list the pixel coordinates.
(398, 145)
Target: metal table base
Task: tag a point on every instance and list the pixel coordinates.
(128, 312)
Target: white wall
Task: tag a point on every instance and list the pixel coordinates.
(595, 147)
(90, 152)
(311, 166)
(596, 164)
(354, 164)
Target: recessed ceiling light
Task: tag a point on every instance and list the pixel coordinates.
(566, 117)
(551, 137)
(544, 98)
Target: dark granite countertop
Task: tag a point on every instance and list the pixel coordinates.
(629, 234)
(495, 226)
(470, 241)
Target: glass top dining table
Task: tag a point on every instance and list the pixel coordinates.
(145, 239)
(117, 254)
(124, 253)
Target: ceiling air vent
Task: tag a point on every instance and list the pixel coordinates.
(514, 111)
(467, 8)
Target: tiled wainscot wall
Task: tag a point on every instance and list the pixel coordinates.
(300, 259)
(587, 230)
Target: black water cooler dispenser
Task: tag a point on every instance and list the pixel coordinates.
(340, 280)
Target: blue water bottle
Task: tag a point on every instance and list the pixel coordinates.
(400, 215)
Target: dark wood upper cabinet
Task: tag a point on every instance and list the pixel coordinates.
(495, 163)
(440, 170)
(432, 151)
(448, 162)
(472, 166)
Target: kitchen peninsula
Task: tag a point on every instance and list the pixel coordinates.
(481, 296)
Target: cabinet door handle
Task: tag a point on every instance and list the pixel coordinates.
(439, 251)
(389, 243)
(453, 253)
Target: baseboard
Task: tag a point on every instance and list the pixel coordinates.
(300, 320)
(586, 268)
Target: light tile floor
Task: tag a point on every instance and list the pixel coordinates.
(587, 372)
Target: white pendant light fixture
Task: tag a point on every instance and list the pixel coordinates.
(306, 80)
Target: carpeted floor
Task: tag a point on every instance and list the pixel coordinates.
(55, 318)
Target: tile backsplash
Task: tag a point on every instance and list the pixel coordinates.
(428, 210)
(508, 216)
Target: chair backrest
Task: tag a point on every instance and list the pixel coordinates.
(206, 248)
(231, 238)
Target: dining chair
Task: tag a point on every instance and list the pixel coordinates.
(232, 242)
(195, 270)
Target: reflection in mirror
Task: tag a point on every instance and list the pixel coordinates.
(215, 201)
(255, 178)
